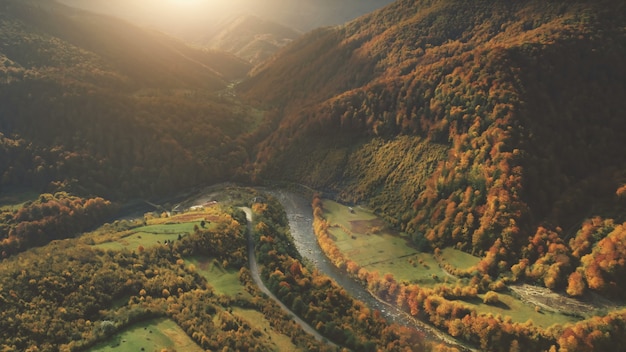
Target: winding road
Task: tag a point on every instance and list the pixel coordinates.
(299, 214)
(256, 277)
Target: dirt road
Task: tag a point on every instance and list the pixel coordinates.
(254, 269)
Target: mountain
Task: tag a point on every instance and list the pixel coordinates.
(307, 15)
(479, 125)
(494, 127)
(252, 29)
(303, 15)
(94, 105)
(250, 38)
(137, 53)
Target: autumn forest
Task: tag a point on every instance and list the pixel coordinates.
(481, 142)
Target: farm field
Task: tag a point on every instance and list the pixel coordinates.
(457, 258)
(151, 335)
(520, 311)
(156, 231)
(364, 238)
(260, 323)
(136, 239)
(223, 281)
(164, 334)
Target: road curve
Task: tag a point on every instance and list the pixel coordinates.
(256, 277)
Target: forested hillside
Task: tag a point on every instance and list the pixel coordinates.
(492, 126)
(250, 37)
(250, 29)
(94, 105)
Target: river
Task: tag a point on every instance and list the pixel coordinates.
(256, 277)
(300, 213)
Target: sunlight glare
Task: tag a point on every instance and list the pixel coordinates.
(195, 8)
(212, 4)
(185, 2)
(180, 14)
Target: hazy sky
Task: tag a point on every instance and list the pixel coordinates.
(189, 15)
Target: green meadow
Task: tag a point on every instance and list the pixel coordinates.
(152, 335)
(136, 239)
(262, 325)
(458, 259)
(156, 231)
(520, 311)
(223, 281)
(365, 238)
(164, 334)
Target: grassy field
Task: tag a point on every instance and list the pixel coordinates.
(458, 259)
(137, 239)
(155, 232)
(223, 281)
(520, 311)
(227, 282)
(160, 334)
(364, 238)
(152, 335)
(258, 321)
(170, 228)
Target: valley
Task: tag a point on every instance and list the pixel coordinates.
(313, 175)
(365, 239)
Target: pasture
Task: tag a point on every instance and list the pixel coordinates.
(519, 311)
(156, 231)
(223, 281)
(152, 335)
(260, 323)
(366, 239)
(458, 259)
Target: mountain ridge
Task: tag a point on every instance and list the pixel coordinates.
(490, 127)
(91, 103)
(251, 38)
(477, 79)
(107, 37)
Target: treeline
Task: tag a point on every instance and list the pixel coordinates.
(50, 217)
(61, 296)
(225, 242)
(316, 298)
(79, 116)
(480, 125)
(143, 57)
(443, 307)
(592, 260)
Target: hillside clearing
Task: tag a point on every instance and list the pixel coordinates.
(223, 281)
(152, 335)
(366, 239)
